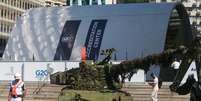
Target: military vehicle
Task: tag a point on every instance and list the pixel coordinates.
(191, 86)
(98, 76)
(104, 75)
(57, 33)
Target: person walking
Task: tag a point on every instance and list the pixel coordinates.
(175, 65)
(17, 90)
(154, 94)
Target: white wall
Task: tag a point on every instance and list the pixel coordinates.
(38, 71)
(33, 71)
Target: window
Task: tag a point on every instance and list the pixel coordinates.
(4, 28)
(68, 2)
(20, 6)
(1, 27)
(85, 2)
(197, 14)
(11, 28)
(75, 2)
(14, 2)
(14, 15)
(194, 5)
(2, 12)
(26, 5)
(103, 2)
(194, 23)
(57, 4)
(9, 14)
(31, 5)
(8, 28)
(94, 2)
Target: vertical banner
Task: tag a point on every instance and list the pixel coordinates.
(67, 39)
(94, 38)
(192, 70)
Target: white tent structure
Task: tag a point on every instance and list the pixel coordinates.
(134, 30)
(59, 33)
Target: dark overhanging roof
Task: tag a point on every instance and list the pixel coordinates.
(178, 33)
(181, 30)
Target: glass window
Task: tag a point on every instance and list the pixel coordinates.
(68, 2)
(103, 2)
(22, 5)
(4, 28)
(85, 2)
(8, 29)
(14, 2)
(26, 5)
(14, 15)
(11, 28)
(8, 14)
(1, 27)
(94, 2)
(2, 12)
(75, 2)
(8, 1)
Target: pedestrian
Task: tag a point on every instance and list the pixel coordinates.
(154, 83)
(175, 65)
(17, 90)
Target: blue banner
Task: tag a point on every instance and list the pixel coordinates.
(67, 39)
(94, 38)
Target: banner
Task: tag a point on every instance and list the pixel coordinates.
(67, 39)
(192, 70)
(94, 38)
(34, 71)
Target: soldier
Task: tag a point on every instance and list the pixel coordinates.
(17, 90)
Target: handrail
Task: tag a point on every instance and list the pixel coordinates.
(43, 84)
(39, 88)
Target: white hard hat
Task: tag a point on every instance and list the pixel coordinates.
(17, 75)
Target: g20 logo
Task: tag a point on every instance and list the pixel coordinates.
(41, 73)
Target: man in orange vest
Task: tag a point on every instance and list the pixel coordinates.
(17, 89)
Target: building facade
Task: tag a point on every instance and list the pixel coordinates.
(90, 2)
(194, 11)
(10, 10)
(49, 3)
